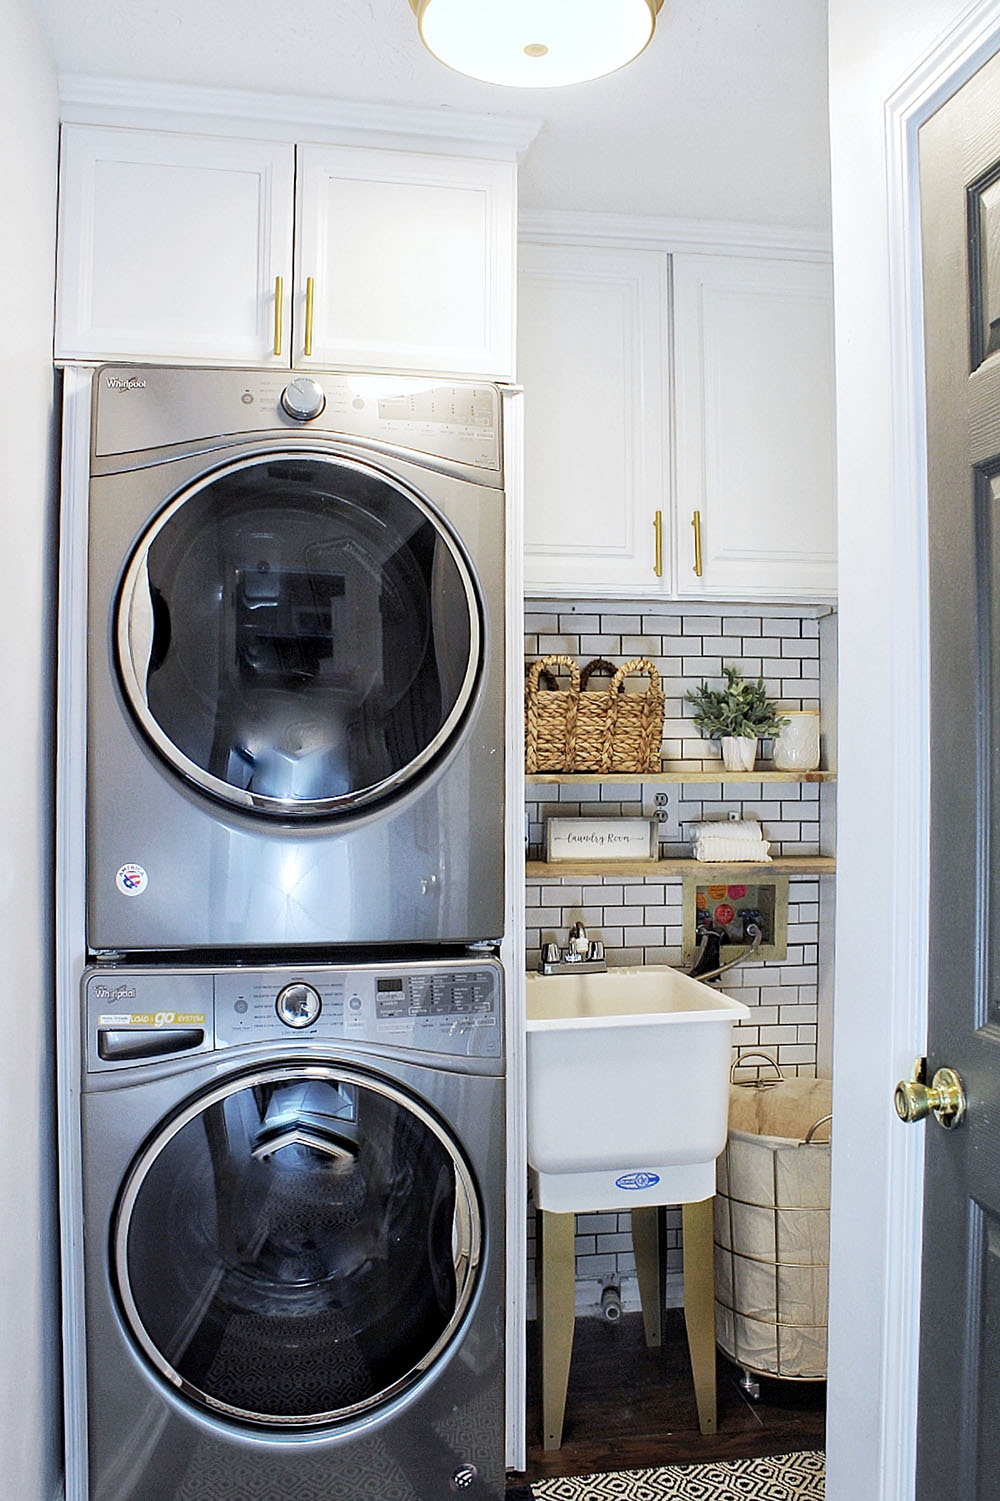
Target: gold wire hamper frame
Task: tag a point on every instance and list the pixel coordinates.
(779, 1334)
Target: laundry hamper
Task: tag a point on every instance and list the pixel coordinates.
(772, 1228)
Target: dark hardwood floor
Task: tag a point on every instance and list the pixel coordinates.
(629, 1407)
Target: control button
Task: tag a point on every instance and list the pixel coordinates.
(298, 1005)
(303, 398)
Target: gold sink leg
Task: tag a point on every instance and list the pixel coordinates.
(556, 1281)
(647, 1243)
(699, 1306)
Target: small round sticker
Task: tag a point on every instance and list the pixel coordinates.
(131, 880)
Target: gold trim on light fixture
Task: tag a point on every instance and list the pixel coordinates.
(535, 43)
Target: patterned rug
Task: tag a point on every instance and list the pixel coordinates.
(780, 1477)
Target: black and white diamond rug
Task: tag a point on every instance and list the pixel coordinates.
(780, 1477)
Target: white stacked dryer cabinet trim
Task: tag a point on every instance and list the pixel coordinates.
(295, 662)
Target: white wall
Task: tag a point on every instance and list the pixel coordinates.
(880, 1003)
(30, 1440)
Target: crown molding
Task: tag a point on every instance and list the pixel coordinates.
(132, 103)
(698, 236)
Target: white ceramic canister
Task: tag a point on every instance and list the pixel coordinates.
(796, 745)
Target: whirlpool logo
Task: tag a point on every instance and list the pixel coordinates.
(125, 383)
(119, 993)
(637, 1180)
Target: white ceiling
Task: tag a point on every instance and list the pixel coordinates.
(723, 117)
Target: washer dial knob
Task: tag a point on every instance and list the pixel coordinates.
(303, 398)
(298, 1005)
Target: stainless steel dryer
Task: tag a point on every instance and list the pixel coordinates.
(295, 664)
(293, 1189)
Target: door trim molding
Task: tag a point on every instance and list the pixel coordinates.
(943, 69)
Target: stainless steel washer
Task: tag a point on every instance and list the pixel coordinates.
(295, 679)
(293, 1185)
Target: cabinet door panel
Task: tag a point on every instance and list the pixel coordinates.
(755, 437)
(592, 329)
(412, 257)
(169, 246)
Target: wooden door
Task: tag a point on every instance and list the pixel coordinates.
(411, 259)
(592, 357)
(755, 470)
(959, 1392)
(170, 247)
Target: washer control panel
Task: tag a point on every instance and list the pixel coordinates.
(451, 1009)
(136, 1017)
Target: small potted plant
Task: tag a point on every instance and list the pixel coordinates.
(737, 714)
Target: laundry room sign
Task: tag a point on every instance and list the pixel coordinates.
(601, 839)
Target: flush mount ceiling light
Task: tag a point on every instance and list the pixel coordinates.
(535, 43)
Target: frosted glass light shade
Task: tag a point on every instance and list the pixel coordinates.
(535, 43)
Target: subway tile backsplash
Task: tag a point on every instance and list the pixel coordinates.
(640, 919)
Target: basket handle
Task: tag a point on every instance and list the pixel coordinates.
(824, 1120)
(636, 664)
(755, 1083)
(599, 664)
(616, 694)
(557, 659)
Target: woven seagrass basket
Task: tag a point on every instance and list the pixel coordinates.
(576, 729)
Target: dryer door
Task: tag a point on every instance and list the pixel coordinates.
(298, 1246)
(299, 634)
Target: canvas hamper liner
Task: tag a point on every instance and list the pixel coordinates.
(772, 1229)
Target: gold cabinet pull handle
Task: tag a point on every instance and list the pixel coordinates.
(310, 305)
(279, 307)
(696, 523)
(658, 544)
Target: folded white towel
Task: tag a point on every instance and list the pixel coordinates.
(732, 851)
(729, 840)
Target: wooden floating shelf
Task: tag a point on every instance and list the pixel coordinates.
(783, 865)
(674, 774)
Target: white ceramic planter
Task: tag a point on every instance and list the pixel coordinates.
(739, 752)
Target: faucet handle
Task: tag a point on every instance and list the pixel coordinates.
(578, 940)
(595, 950)
(550, 953)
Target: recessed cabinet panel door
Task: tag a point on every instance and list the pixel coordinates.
(959, 1389)
(755, 432)
(592, 338)
(170, 246)
(411, 258)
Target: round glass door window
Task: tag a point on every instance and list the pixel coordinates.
(297, 1246)
(299, 635)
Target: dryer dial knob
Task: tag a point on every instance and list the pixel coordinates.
(298, 1005)
(303, 398)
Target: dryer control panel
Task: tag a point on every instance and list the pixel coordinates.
(137, 1017)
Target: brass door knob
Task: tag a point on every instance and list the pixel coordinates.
(944, 1097)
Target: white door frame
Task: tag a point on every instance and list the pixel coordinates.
(877, 1164)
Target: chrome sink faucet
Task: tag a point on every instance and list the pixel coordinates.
(581, 955)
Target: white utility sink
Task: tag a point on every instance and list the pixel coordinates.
(628, 1087)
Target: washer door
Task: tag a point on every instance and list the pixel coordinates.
(297, 1246)
(299, 635)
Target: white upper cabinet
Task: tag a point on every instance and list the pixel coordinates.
(179, 247)
(754, 428)
(411, 260)
(592, 358)
(170, 246)
(683, 449)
